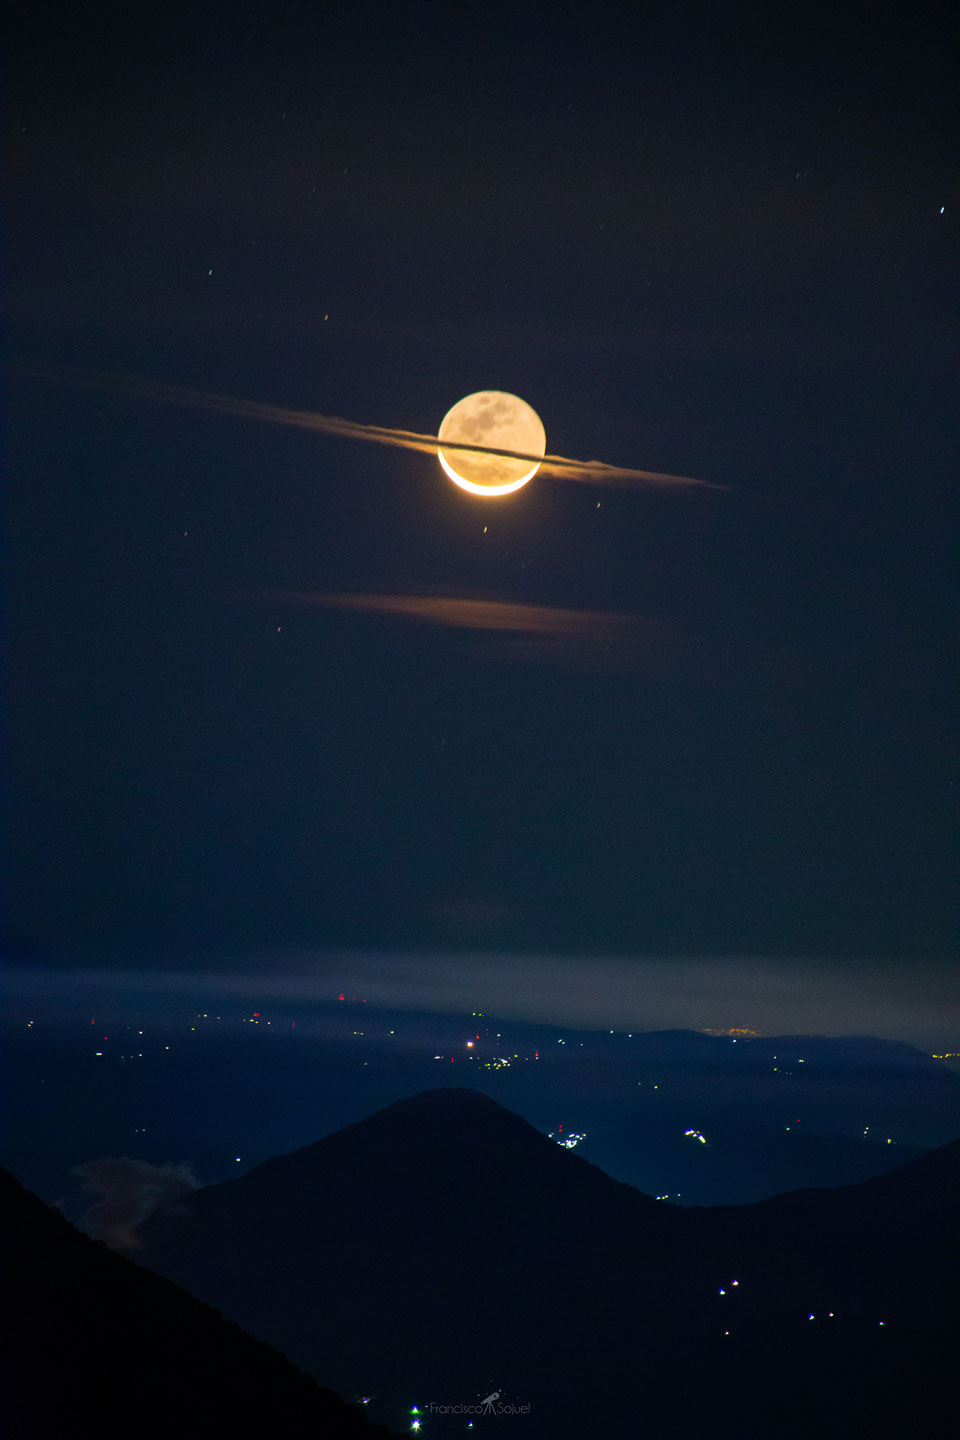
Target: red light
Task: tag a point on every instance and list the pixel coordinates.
(256, 1014)
(340, 996)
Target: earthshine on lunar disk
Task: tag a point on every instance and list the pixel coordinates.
(495, 419)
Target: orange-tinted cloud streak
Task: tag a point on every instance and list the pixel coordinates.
(594, 471)
(526, 632)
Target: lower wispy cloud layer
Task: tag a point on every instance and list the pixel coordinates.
(526, 631)
(773, 995)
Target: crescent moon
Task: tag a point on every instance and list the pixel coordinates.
(495, 419)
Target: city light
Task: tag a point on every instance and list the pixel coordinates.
(570, 1141)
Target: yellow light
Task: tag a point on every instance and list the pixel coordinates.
(474, 489)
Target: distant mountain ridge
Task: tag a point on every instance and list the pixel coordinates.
(772, 1124)
(444, 1245)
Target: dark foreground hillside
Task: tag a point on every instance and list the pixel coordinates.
(443, 1249)
(96, 1346)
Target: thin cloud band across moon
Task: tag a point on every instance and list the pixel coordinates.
(490, 443)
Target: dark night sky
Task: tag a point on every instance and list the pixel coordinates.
(702, 240)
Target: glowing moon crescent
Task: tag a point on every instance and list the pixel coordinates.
(495, 419)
